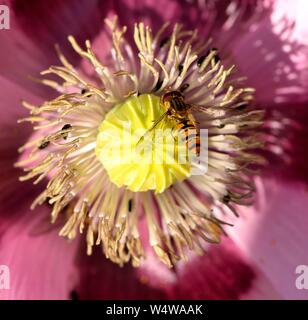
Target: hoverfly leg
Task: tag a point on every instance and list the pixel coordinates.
(175, 138)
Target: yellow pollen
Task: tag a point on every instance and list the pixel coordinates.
(135, 156)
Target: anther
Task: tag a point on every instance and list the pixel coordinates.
(216, 56)
(66, 127)
(226, 199)
(44, 145)
(164, 41)
(158, 84)
(180, 68)
(184, 87)
(130, 205)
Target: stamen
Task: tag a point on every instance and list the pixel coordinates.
(175, 83)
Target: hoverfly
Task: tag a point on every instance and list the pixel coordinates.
(176, 109)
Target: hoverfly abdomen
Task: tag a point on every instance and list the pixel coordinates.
(190, 134)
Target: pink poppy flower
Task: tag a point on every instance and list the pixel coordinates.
(267, 42)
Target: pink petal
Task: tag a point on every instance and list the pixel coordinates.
(273, 233)
(41, 263)
(262, 289)
(295, 10)
(222, 273)
(34, 259)
(10, 104)
(36, 27)
(273, 58)
(102, 279)
(287, 144)
(263, 41)
(12, 136)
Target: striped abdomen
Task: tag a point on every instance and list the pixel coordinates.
(190, 134)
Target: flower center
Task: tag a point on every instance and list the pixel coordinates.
(111, 146)
(135, 154)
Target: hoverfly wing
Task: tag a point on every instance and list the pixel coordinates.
(154, 125)
(198, 108)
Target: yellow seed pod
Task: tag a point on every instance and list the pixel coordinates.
(135, 157)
